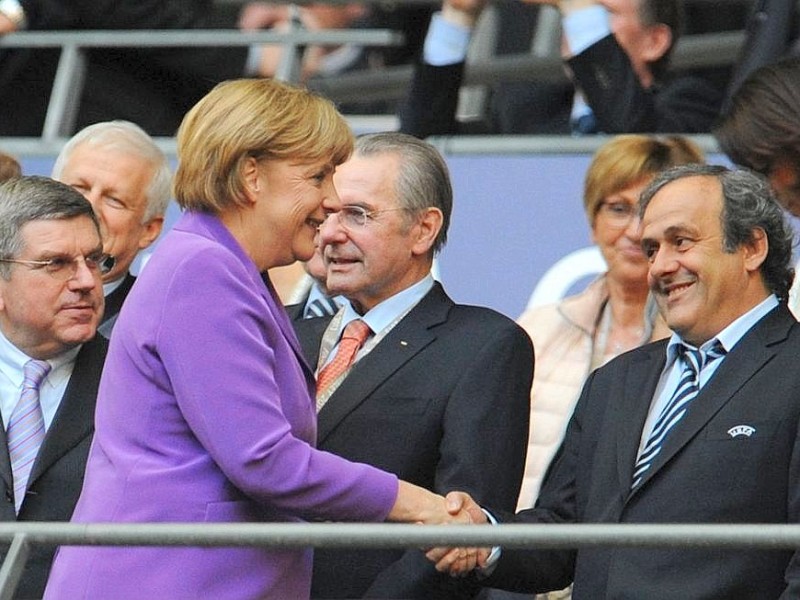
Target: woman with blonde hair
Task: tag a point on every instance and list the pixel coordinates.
(206, 409)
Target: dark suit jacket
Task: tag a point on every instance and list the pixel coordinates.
(295, 311)
(684, 104)
(442, 401)
(603, 71)
(704, 474)
(771, 31)
(151, 87)
(115, 299)
(57, 475)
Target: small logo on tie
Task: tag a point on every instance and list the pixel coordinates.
(744, 430)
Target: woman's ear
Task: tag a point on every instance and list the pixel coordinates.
(251, 177)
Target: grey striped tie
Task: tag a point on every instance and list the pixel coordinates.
(694, 361)
(321, 307)
(26, 427)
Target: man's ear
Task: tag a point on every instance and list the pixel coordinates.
(756, 250)
(150, 232)
(427, 227)
(659, 41)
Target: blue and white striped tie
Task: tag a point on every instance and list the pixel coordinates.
(694, 361)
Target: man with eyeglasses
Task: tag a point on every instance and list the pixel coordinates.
(127, 179)
(432, 379)
(51, 300)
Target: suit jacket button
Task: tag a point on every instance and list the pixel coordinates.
(9, 496)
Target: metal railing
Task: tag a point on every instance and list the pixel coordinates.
(71, 70)
(22, 536)
(389, 83)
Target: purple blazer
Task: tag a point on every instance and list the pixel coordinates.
(205, 413)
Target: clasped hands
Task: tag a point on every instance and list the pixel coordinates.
(458, 562)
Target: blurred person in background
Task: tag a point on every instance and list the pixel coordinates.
(760, 130)
(156, 86)
(204, 343)
(617, 53)
(9, 167)
(127, 179)
(153, 87)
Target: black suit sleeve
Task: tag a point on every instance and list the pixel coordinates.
(621, 105)
(432, 100)
(482, 452)
(769, 31)
(535, 571)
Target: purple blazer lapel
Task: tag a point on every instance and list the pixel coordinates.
(211, 227)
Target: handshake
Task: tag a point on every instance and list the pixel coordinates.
(415, 504)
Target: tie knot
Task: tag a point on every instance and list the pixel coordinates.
(34, 372)
(357, 330)
(697, 360)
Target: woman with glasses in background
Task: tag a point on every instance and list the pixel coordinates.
(613, 314)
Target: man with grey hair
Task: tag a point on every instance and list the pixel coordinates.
(431, 378)
(697, 428)
(51, 300)
(127, 179)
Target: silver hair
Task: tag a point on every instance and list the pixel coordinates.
(127, 137)
(423, 180)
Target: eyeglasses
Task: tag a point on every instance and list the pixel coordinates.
(618, 214)
(64, 268)
(353, 216)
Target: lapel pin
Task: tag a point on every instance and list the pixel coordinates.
(403, 343)
(744, 430)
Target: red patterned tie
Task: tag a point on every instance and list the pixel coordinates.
(26, 427)
(354, 336)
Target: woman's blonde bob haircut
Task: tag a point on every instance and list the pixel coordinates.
(252, 118)
(630, 159)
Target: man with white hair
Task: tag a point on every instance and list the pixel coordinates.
(127, 179)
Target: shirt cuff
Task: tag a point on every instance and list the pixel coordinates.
(585, 27)
(494, 555)
(446, 43)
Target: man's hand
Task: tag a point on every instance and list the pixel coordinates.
(6, 25)
(460, 561)
(463, 12)
(262, 15)
(565, 6)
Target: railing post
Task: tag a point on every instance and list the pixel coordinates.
(13, 565)
(289, 68)
(65, 97)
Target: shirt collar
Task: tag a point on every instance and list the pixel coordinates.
(113, 285)
(382, 315)
(731, 335)
(12, 362)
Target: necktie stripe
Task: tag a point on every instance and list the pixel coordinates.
(26, 428)
(321, 307)
(677, 406)
(354, 336)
